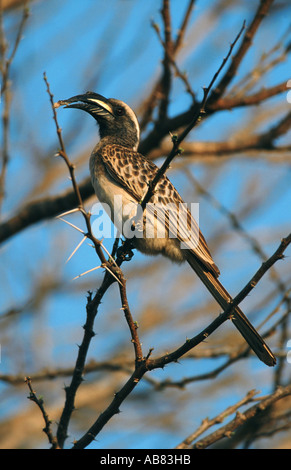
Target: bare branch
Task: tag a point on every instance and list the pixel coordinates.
(150, 364)
(155, 95)
(183, 27)
(267, 139)
(208, 423)
(39, 401)
(5, 93)
(177, 140)
(248, 100)
(131, 323)
(92, 304)
(241, 418)
(43, 209)
(71, 168)
(261, 12)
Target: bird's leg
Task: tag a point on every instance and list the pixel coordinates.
(124, 252)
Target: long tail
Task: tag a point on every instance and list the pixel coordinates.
(241, 322)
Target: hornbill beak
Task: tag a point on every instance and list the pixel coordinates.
(91, 102)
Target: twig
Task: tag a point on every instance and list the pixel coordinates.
(182, 29)
(177, 140)
(241, 418)
(92, 306)
(43, 209)
(190, 343)
(5, 65)
(154, 138)
(236, 224)
(171, 59)
(62, 152)
(267, 139)
(155, 95)
(248, 100)
(39, 401)
(166, 80)
(149, 364)
(208, 423)
(265, 64)
(112, 274)
(7, 60)
(131, 323)
(48, 207)
(77, 377)
(261, 12)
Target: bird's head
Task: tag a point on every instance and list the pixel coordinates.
(115, 118)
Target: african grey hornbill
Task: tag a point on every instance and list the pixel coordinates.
(120, 177)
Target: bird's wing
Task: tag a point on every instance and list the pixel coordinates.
(133, 172)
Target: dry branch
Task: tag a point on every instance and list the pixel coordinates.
(6, 61)
(149, 364)
(240, 418)
(182, 123)
(261, 12)
(39, 402)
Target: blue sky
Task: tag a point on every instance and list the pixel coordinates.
(112, 48)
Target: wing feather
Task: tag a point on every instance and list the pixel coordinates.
(133, 171)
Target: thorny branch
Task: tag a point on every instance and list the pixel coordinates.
(81, 192)
(142, 364)
(150, 364)
(215, 100)
(113, 273)
(177, 140)
(39, 402)
(79, 202)
(131, 323)
(52, 206)
(208, 423)
(240, 418)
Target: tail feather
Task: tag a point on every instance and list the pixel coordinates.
(239, 319)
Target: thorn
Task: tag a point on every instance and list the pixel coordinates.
(86, 272)
(68, 212)
(107, 252)
(77, 247)
(89, 297)
(112, 274)
(72, 225)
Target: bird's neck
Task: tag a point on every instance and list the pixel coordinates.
(117, 140)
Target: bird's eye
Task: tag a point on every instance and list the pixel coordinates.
(119, 111)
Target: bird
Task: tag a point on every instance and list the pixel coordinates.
(120, 177)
